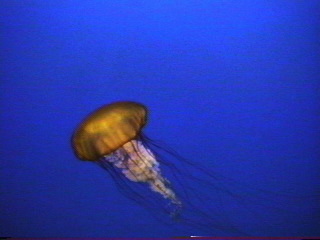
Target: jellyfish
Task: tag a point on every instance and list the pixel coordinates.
(112, 137)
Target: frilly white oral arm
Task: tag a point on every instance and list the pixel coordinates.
(139, 164)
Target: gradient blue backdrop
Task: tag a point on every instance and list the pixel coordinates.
(234, 84)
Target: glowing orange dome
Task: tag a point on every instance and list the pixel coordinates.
(108, 128)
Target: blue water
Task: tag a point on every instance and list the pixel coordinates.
(230, 85)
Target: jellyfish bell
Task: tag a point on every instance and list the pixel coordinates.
(108, 128)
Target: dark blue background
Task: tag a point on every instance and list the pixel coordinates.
(234, 84)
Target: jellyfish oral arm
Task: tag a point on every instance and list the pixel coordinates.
(139, 164)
